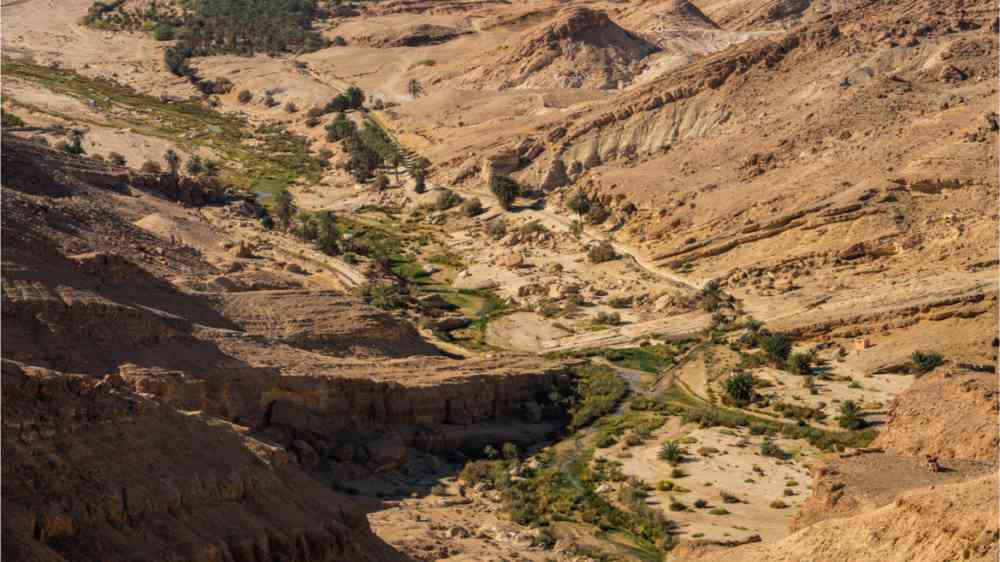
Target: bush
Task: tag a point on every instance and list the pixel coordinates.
(850, 416)
(598, 214)
(610, 319)
(719, 511)
(164, 32)
(800, 363)
(338, 104)
(664, 485)
(284, 208)
(505, 189)
(544, 539)
(676, 505)
(116, 158)
(604, 441)
(633, 440)
(601, 252)
(700, 504)
(290, 107)
(769, 449)
(244, 97)
(677, 473)
(776, 346)
(778, 504)
(384, 295)
(671, 452)
(496, 228)
(419, 181)
(926, 361)
(194, 166)
(355, 97)
(173, 161)
(740, 388)
(339, 41)
(579, 203)
(446, 200)
(509, 451)
(312, 121)
(10, 120)
(151, 167)
(340, 128)
(472, 207)
(728, 497)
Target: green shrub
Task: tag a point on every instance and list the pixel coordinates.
(505, 189)
(384, 295)
(672, 452)
(604, 441)
(719, 511)
(633, 440)
(164, 32)
(740, 388)
(728, 497)
(579, 203)
(926, 361)
(850, 416)
(778, 504)
(446, 200)
(340, 128)
(601, 252)
(496, 228)
(700, 504)
(472, 207)
(769, 449)
(10, 120)
(799, 363)
(776, 346)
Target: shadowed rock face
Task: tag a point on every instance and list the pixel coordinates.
(94, 471)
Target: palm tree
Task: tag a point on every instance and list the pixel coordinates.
(173, 161)
(396, 160)
(414, 88)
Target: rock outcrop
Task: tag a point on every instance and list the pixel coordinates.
(579, 48)
(93, 471)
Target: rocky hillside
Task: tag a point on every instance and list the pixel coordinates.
(949, 415)
(578, 48)
(953, 522)
(206, 388)
(884, 503)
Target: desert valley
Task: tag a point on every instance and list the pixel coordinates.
(500, 280)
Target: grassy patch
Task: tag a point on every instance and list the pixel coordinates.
(273, 161)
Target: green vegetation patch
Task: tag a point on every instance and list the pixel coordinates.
(274, 160)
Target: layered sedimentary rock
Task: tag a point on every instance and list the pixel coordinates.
(93, 471)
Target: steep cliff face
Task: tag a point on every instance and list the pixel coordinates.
(93, 471)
